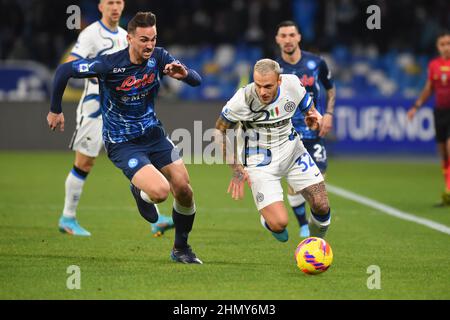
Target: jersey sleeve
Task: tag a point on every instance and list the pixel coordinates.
(235, 109)
(83, 68)
(165, 58)
(84, 47)
(296, 87)
(87, 68)
(325, 76)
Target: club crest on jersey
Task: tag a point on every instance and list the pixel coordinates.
(289, 106)
(311, 64)
(132, 83)
(133, 162)
(151, 62)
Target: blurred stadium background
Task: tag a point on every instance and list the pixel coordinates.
(378, 74)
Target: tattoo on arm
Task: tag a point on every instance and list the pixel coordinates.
(228, 152)
(331, 99)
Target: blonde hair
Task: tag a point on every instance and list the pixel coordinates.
(265, 66)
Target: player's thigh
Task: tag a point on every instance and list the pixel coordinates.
(178, 177)
(131, 157)
(275, 215)
(303, 173)
(162, 151)
(266, 186)
(152, 182)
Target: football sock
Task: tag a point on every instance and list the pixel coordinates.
(183, 218)
(74, 186)
(446, 171)
(297, 202)
(318, 224)
(149, 211)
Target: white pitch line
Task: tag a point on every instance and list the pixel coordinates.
(387, 209)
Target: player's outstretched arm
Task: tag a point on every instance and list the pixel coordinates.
(240, 176)
(179, 71)
(424, 95)
(55, 117)
(83, 68)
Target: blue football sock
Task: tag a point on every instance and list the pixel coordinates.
(322, 218)
(300, 214)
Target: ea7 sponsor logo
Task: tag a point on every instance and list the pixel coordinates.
(118, 70)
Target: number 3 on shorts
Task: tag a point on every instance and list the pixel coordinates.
(305, 161)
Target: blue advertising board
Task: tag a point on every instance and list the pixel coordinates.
(24, 81)
(380, 126)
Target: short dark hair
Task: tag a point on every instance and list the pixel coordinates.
(142, 20)
(288, 23)
(443, 33)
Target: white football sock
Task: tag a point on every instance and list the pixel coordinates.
(187, 211)
(318, 228)
(74, 187)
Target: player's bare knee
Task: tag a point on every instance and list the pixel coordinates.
(278, 226)
(158, 193)
(183, 194)
(159, 196)
(320, 207)
(85, 165)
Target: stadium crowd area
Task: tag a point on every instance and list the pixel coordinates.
(223, 38)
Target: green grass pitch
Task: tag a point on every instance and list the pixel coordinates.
(241, 260)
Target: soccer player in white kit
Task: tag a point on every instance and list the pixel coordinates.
(272, 149)
(104, 36)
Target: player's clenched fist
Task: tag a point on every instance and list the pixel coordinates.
(54, 120)
(175, 70)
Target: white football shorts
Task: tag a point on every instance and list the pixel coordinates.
(87, 138)
(290, 160)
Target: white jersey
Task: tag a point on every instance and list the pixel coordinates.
(266, 126)
(93, 41)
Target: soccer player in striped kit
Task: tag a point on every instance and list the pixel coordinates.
(135, 139)
(104, 36)
(313, 72)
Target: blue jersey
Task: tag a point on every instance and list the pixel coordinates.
(311, 69)
(127, 91)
